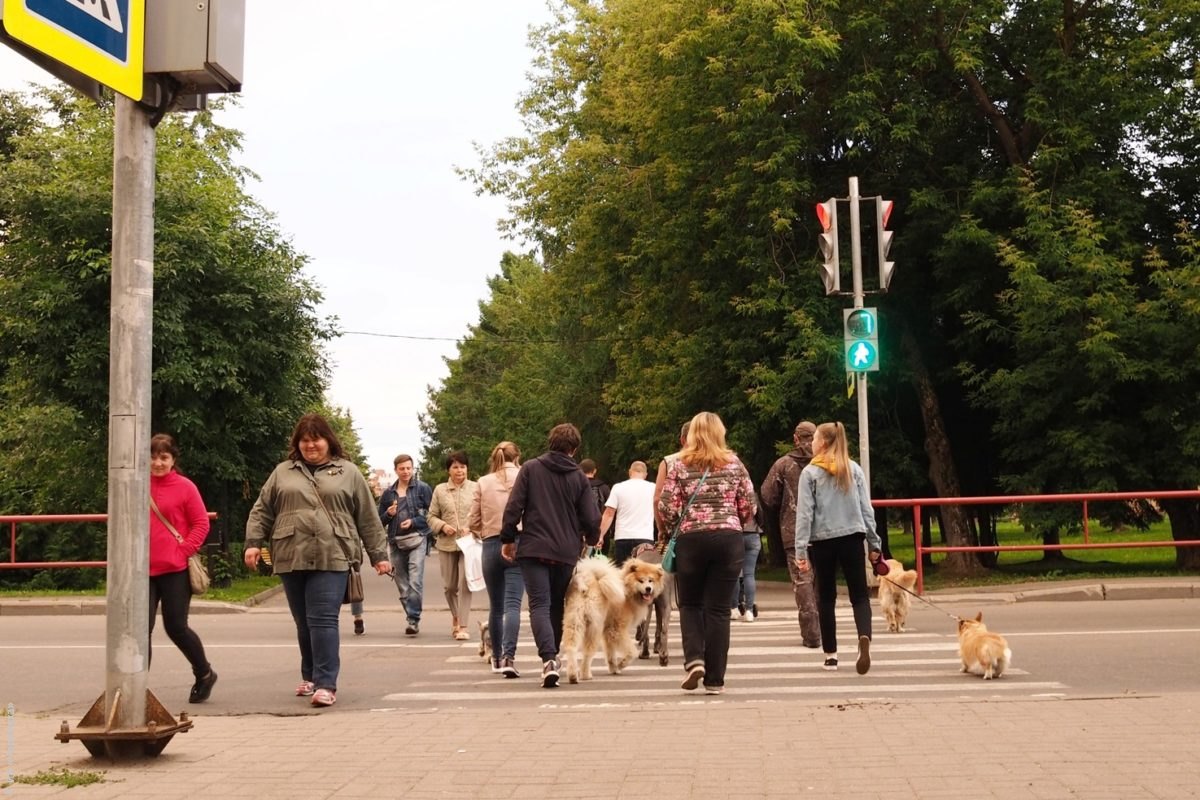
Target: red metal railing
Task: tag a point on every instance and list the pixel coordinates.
(16, 519)
(1085, 498)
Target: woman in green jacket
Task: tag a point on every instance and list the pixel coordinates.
(312, 512)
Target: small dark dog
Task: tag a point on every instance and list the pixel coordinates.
(662, 610)
(485, 641)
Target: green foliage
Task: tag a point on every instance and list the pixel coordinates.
(1046, 236)
(237, 352)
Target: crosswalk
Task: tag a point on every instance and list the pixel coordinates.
(766, 662)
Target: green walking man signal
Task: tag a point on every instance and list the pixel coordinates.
(860, 328)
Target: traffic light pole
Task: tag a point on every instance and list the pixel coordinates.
(860, 378)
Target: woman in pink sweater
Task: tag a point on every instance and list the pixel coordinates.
(176, 500)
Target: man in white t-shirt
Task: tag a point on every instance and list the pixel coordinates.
(631, 504)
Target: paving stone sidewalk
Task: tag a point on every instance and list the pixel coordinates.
(1119, 748)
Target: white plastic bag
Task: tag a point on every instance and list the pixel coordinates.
(472, 550)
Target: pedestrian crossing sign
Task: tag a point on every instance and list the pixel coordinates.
(103, 39)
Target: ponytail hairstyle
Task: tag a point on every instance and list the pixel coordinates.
(835, 452)
(502, 454)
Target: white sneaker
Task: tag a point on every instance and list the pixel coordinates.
(749, 616)
(733, 614)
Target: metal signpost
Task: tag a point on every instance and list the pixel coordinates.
(102, 40)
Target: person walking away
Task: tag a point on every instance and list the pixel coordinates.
(833, 517)
(505, 586)
(708, 499)
(631, 506)
(779, 497)
(600, 491)
(403, 507)
(310, 511)
(745, 593)
(178, 527)
(661, 478)
(553, 509)
(449, 518)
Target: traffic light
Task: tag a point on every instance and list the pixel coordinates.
(860, 328)
(883, 212)
(828, 242)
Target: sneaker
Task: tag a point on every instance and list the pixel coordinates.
(714, 690)
(751, 614)
(202, 688)
(733, 613)
(864, 655)
(509, 669)
(305, 689)
(830, 663)
(694, 676)
(413, 629)
(495, 666)
(323, 697)
(462, 635)
(549, 674)
(359, 628)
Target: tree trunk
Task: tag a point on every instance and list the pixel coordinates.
(1052, 536)
(1185, 527)
(943, 472)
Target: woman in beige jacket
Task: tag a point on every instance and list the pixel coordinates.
(505, 586)
(449, 518)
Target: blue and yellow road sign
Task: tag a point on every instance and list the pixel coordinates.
(102, 39)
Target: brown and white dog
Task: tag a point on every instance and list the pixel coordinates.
(983, 652)
(893, 600)
(603, 607)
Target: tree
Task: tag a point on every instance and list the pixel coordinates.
(237, 344)
(672, 152)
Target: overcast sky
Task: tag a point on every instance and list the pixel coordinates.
(354, 124)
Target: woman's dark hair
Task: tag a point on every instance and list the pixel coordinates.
(457, 457)
(164, 443)
(315, 427)
(564, 438)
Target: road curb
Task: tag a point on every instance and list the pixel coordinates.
(96, 606)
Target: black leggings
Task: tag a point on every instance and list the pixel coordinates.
(825, 557)
(175, 592)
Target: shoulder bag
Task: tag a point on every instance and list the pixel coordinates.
(668, 559)
(354, 584)
(197, 574)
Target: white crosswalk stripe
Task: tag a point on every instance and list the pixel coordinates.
(765, 661)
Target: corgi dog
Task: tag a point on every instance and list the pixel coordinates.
(893, 600)
(983, 652)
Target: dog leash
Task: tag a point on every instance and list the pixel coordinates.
(954, 617)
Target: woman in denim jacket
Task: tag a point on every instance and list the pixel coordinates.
(833, 516)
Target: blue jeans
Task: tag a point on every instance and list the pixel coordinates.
(315, 599)
(546, 582)
(505, 588)
(408, 571)
(752, 541)
(707, 567)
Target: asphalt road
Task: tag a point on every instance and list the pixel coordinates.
(54, 665)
